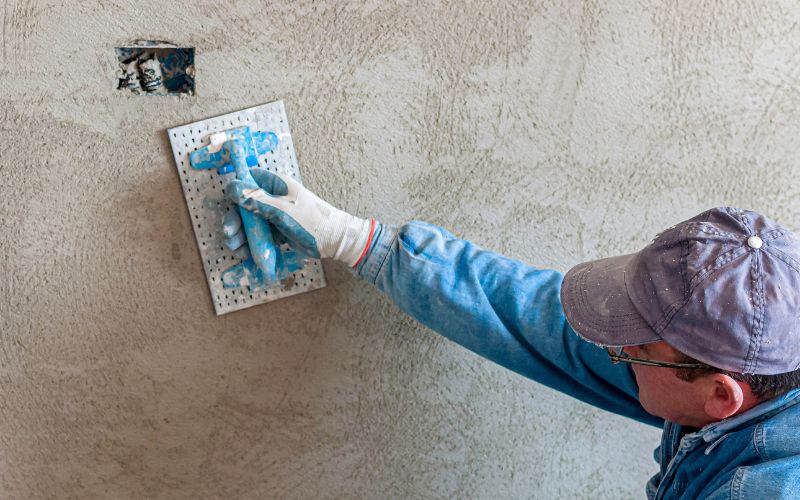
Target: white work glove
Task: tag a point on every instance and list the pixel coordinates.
(309, 223)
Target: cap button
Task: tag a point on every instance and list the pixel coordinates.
(754, 242)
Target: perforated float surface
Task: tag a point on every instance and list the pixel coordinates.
(204, 191)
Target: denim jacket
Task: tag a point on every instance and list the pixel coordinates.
(511, 313)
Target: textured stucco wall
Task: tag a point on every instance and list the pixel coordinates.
(554, 132)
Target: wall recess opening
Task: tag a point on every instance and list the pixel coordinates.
(156, 68)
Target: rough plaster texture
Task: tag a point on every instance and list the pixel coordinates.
(554, 132)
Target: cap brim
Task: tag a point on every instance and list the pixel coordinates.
(597, 305)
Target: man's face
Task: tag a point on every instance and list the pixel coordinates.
(662, 393)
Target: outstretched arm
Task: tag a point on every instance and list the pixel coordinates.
(497, 307)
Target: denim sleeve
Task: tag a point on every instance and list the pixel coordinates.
(499, 308)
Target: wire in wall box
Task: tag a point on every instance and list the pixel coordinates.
(155, 68)
(237, 281)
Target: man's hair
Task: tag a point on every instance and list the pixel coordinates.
(764, 387)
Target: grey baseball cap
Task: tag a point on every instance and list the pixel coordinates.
(722, 287)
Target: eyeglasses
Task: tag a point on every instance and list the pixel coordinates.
(617, 355)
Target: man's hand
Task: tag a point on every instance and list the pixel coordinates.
(310, 224)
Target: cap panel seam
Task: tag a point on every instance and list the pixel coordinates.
(701, 227)
(739, 215)
(684, 263)
(721, 260)
(782, 256)
(772, 234)
(698, 278)
(757, 323)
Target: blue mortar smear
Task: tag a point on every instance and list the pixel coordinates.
(248, 274)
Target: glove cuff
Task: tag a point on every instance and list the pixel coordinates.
(344, 237)
(355, 240)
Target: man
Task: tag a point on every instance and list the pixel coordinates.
(702, 327)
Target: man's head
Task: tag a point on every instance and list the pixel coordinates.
(700, 394)
(721, 290)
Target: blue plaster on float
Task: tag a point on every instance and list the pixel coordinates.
(239, 152)
(247, 274)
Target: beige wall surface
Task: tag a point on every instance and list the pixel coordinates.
(553, 132)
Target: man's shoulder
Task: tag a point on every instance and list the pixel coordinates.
(774, 479)
(773, 470)
(770, 469)
(777, 437)
(758, 458)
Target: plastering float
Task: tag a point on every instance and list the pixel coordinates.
(208, 153)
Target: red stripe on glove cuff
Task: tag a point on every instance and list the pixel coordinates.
(369, 241)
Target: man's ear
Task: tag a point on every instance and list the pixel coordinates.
(724, 396)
